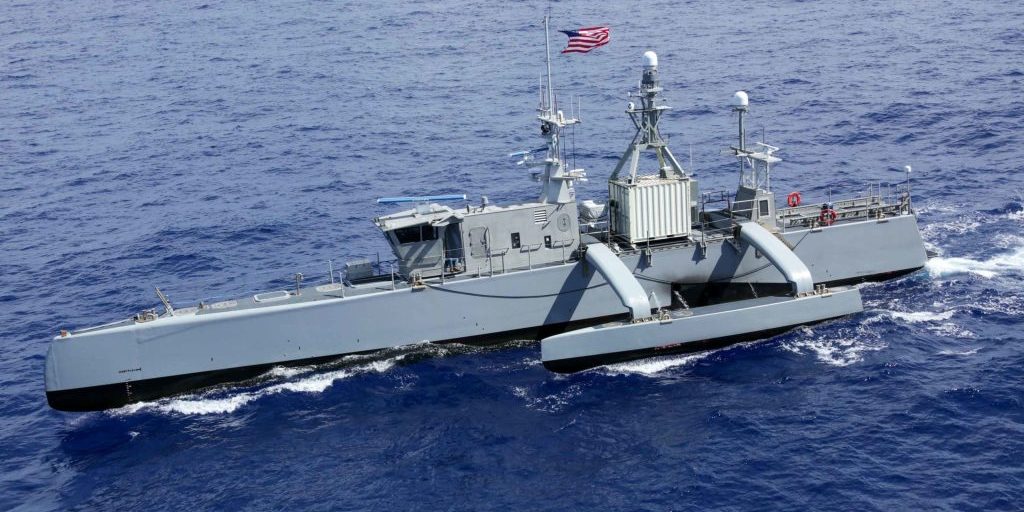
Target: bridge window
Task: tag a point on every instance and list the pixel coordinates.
(413, 234)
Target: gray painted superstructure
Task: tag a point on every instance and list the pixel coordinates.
(483, 270)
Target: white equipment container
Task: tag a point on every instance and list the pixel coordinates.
(650, 208)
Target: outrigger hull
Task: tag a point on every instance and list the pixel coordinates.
(693, 329)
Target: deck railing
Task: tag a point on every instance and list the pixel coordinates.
(881, 201)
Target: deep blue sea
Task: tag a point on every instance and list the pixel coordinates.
(214, 148)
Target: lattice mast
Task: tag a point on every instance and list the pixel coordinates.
(645, 207)
(646, 119)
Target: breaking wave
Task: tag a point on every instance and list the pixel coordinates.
(208, 403)
(1011, 262)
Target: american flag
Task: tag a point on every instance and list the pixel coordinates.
(585, 39)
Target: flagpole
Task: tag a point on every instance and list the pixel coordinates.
(547, 54)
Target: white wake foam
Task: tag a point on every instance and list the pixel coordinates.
(835, 347)
(206, 403)
(958, 353)
(934, 321)
(834, 351)
(922, 316)
(1006, 263)
(960, 226)
(1011, 303)
(952, 330)
(548, 403)
(287, 372)
(651, 366)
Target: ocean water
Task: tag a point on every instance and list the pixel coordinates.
(214, 148)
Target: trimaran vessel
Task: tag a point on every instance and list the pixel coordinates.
(660, 268)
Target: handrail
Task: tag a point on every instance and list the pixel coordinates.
(882, 200)
(528, 249)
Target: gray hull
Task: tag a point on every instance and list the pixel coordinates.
(109, 367)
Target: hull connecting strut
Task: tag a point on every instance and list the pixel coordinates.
(690, 330)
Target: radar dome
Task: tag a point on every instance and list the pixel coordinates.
(740, 99)
(650, 59)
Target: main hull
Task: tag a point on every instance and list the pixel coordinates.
(112, 396)
(111, 367)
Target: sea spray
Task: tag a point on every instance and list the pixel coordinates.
(1010, 263)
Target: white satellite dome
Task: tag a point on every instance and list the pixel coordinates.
(650, 59)
(740, 99)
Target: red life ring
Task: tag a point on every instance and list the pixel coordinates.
(827, 217)
(793, 199)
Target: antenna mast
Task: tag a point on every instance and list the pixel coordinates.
(556, 180)
(547, 58)
(755, 165)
